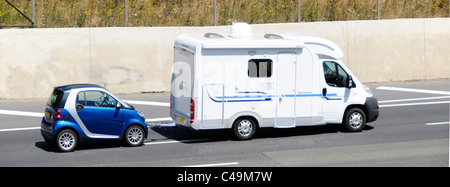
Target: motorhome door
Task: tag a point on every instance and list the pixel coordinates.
(335, 92)
(285, 97)
(212, 106)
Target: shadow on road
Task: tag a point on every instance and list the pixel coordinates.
(86, 145)
(183, 133)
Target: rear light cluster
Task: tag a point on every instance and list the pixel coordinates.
(192, 110)
(57, 115)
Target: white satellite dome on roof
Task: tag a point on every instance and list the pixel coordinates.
(241, 30)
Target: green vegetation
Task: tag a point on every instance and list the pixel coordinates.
(110, 13)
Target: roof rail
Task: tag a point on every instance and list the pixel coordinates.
(273, 36)
(213, 35)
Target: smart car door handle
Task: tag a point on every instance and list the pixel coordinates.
(80, 107)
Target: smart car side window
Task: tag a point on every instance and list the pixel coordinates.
(96, 99)
(108, 101)
(81, 98)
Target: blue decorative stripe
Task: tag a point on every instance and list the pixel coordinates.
(265, 97)
(333, 98)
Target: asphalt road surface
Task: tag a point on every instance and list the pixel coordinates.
(412, 130)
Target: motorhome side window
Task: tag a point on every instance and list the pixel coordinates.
(260, 68)
(335, 75)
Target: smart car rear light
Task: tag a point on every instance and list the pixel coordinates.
(192, 110)
(57, 116)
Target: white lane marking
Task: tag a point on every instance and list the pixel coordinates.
(39, 114)
(414, 104)
(35, 115)
(19, 129)
(175, 141)
(414, 99)
(438, 123)
(153, 103)
(413, 90)
(158, 119)
(22, 113)
(162, 142)
(214, 165)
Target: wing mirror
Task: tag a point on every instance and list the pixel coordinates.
(350, 82)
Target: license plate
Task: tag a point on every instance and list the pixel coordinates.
(47, 114)
(180, 119)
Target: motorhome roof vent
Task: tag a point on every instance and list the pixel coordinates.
(273, 36)
(213, 35)
(241, 30)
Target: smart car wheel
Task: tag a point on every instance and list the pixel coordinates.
(66, 141)
(355, 120)
(134, 136)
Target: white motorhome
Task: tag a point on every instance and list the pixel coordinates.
(243, 82)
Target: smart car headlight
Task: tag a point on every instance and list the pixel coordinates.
(142, 115)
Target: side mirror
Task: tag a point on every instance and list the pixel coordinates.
(350, 83)
(118, 105)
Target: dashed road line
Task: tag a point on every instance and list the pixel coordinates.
(214, 165)
(22, 113)
(174, 141)
(413, 90)
(19, 129)
(413, 99)
(152, 103)
(438, 123)
(414, 104)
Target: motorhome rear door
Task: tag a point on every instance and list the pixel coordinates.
(212, 106)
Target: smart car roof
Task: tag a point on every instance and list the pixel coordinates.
(74, 86)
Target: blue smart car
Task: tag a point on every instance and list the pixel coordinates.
(84, 111)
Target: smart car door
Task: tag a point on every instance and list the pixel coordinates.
(98, 112)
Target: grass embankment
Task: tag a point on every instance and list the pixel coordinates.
(109, 13)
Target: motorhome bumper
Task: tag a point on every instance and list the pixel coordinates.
(372, 109)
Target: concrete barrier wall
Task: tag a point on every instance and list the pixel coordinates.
(139, 59)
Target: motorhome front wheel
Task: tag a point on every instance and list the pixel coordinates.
(355, 120)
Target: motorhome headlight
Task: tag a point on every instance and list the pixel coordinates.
(367, 89)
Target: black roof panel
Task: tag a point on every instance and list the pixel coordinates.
(74, 86)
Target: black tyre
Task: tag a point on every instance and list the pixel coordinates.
(244, 128)
(354, 120)
(134, 136)
(67, 140)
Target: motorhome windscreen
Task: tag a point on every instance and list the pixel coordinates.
(260, 68)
